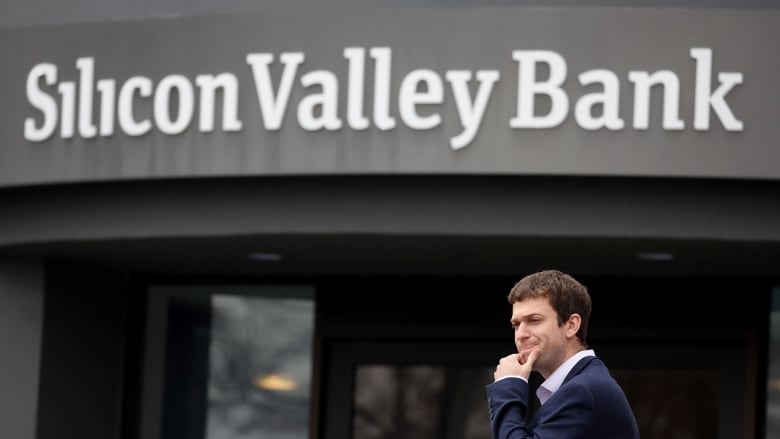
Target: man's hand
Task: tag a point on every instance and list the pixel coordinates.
(516, 365)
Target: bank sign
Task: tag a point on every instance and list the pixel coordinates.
(522, 91)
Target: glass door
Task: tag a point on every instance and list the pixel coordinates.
(436, 390)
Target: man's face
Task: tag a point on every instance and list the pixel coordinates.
(536, 327)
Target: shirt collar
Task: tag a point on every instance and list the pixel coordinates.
(554, 381)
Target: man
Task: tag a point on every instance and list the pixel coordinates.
(580, 399)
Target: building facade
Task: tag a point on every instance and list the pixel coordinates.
(293, 220)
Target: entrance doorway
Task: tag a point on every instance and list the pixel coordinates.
(409, 390)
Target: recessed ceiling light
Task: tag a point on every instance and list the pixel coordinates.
(264, 257)
(655, 256)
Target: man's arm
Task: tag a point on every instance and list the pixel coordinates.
(567, 415)
(507, 406)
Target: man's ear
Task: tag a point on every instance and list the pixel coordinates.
(573, 325)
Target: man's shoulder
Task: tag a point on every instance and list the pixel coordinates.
(590, 370)
(592, 373)
(589, 365)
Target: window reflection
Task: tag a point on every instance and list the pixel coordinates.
(228, 362)
(680, 404)
(427, 402)
(260, 367)
(420, 402)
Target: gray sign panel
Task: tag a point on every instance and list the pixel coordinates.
(555, 91)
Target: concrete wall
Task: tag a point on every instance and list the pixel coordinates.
(21, 326)
(83, 353)
(22, 12)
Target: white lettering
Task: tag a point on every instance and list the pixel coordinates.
(125, 115)
(107, 90)
(608, 100)
(41, 101)
(273, 108)
(137, 105)
(327, 101)
(209, 84)
(162, 104)
(357, 60)
(642, 84)
(86, 67)
(470, 114)
(409, 97)
(528, 88)
(68, 115)
(382, 119)
(706, 99)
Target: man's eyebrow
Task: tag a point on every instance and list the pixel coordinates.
(527, 316)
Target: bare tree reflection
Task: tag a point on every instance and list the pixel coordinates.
(428, 402)
(254, 338)
(419, 402)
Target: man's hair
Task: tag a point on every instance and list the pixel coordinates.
(566, 296)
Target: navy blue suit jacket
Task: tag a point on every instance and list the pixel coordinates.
(589, 404)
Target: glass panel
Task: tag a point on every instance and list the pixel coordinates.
(426, 402)
(260, 367)
(773, 384)
(420, 402)
(228, 362)
(672, 403)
